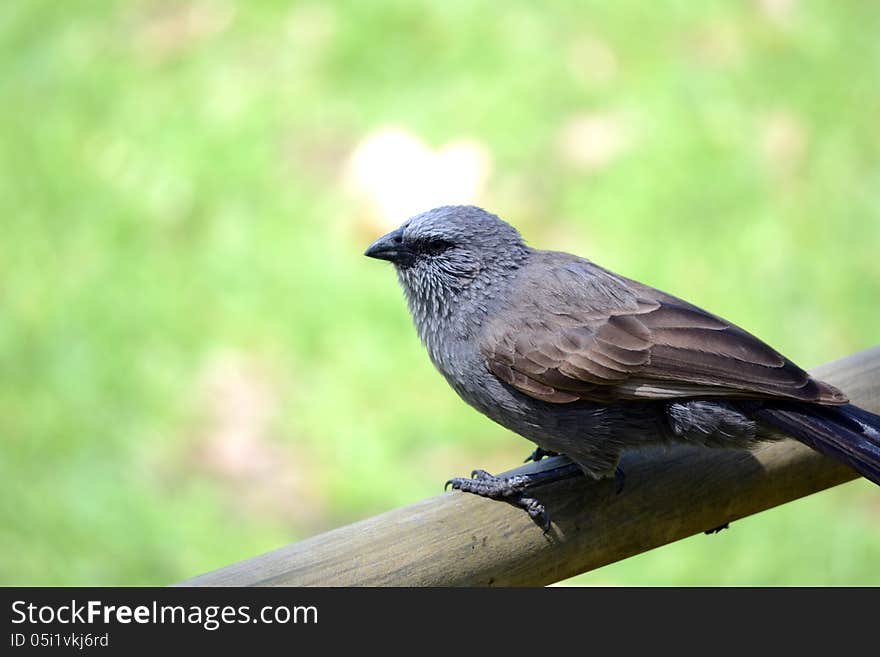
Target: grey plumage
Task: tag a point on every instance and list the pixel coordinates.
(587, 363)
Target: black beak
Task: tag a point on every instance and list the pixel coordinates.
(391, 247)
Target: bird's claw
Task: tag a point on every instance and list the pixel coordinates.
(536, 511)
(478, 475)
(538, 454)
(508, 489)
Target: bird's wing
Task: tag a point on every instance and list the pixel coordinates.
(576, 331)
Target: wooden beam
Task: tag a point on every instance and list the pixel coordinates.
(455, 539)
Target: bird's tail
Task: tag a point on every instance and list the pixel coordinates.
(846, 433)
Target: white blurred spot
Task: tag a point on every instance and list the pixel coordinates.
(784, 140)
(398, 175)
(778, 11)
(592, 141)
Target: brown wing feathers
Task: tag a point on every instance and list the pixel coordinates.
(645, 348)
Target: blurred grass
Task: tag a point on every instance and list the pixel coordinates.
(196, 363)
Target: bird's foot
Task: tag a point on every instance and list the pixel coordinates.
(538, 454)
(508, 489)
(726, 525)
(513, 489)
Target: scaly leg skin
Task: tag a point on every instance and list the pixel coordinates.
(513, 489)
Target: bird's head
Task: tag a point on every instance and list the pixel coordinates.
(446, 249)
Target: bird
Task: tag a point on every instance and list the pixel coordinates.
(586, 363)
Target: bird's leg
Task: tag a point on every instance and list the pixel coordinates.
(538, 454)
(513, 489)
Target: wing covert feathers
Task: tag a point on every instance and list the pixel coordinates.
(581, 332)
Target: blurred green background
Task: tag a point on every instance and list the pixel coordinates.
(197, 364)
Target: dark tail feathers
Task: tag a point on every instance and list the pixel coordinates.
(847, 433)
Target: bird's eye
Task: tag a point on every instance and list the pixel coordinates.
(436, 247)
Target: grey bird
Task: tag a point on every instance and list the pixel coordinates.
(586, 363)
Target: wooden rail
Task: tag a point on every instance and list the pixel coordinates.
(455, 539)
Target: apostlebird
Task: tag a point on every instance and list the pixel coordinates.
(586, 363)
